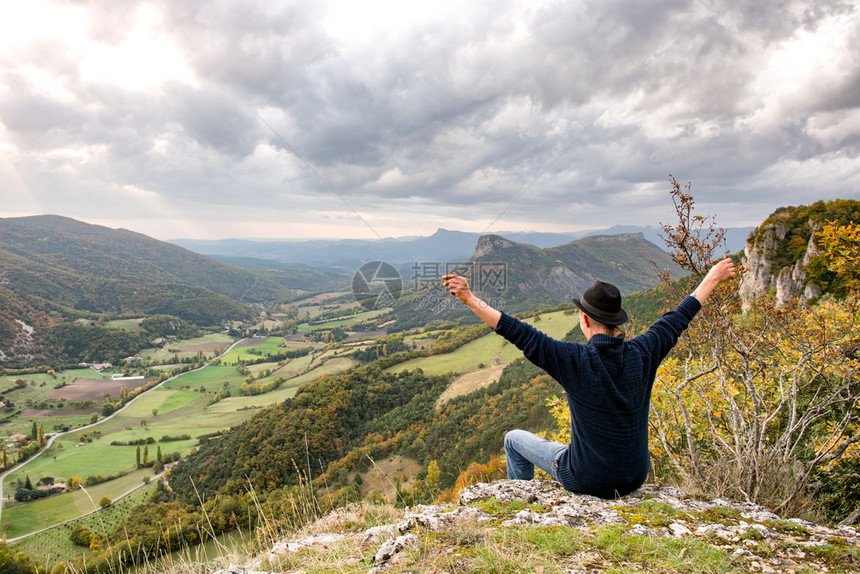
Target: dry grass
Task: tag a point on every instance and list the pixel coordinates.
(472, 381)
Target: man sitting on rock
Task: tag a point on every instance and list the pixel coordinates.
(607, 383)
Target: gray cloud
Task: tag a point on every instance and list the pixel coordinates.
(440, 121)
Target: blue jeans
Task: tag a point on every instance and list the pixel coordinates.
(524, 451)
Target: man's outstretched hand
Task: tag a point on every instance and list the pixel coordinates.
(458, 286)
(723, 270)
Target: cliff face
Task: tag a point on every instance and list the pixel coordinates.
(762, 275)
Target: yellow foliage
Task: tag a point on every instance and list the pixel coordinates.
(476, 472)
(433, 473)
(754, 392)
(561, 414)
(841, 248)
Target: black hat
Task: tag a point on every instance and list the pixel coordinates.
(602, 302)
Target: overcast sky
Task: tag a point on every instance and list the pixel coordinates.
(389, 118)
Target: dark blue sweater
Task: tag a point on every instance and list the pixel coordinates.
(608, 386)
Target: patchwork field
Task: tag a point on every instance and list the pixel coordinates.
(188, 347)
(96, 389)
(184, 405)
(206, 400)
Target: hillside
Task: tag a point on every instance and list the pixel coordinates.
(93, 251)
(55, 269)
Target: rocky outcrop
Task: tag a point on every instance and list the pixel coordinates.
(488, 244)
(760, 276)
(751, 534)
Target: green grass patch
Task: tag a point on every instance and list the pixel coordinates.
(163, 400)
(211, 377)
(54, 545)
(271, 346)
(23, 425)
(836, 554)
(722, 514)
(32, 516)
(485, 350)
(631, 553)
(651, 513)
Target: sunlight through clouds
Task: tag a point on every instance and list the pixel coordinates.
(145, 59)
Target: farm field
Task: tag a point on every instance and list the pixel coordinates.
(356, 318)
(95, 389)
(188, 347)
(285, 391)
(177, 407)
(50, 420)
(264, 347)
(41, 400)
(62, 507)
(54, 544)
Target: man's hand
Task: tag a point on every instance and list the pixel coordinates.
(458, 286)
(723, 270)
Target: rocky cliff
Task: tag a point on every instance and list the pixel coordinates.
(763, 274)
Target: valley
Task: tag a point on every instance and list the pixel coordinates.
(121, 456)
(308, 400)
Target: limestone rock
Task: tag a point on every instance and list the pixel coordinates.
(392, 547)
(790, 282)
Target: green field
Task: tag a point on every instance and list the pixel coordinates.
(487, 349)
(287, 390)
(345, 322)
(212, 378)
(221, 340)
(59, 508)
(54, 545)
(21, 425)
(271, 346)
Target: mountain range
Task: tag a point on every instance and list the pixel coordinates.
(444, 244)
(55, 269)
